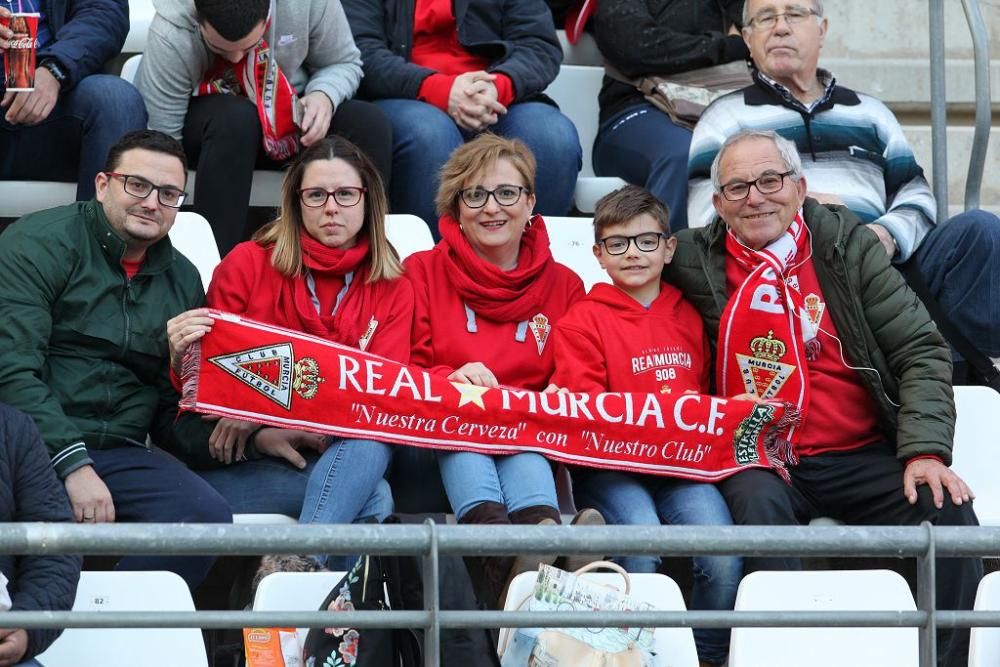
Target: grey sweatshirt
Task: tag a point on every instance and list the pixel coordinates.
(310, 38)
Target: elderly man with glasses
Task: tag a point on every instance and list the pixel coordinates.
(855, 154)
(86, 293)
(802, 305)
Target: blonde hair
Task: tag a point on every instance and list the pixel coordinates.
(471, 160)
(283, 232)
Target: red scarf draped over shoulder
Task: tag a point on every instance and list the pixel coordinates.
(294, 302)
(498, 295)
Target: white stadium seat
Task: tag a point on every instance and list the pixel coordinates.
(408, 234)
(295, 591)
(127, 647)
(192, 236)
(984, 644)
(977, 439)
(572, 241)
(834, 590)
(674, 647)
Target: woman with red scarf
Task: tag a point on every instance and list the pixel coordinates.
(324, 267)
(487, 296)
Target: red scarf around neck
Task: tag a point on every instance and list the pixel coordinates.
(259, 78)
(353, 316)
(498, 295)
(765, 335)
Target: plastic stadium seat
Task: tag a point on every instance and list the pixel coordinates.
(192, 236)
(575, 90)
(674, 646)
(408, 234)
(295, 591)
(264, 519)
(572, 241)
(140, 15)
(842, 590)
(984, 645)
(127, 647)
(977, 439)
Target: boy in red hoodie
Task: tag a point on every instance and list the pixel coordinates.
(640, 335)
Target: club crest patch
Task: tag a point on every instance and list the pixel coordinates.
(273, 372)
(540, 328)
(814, 308)
(763, 373)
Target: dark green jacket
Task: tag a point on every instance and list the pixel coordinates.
(881, 322)
(83, 349)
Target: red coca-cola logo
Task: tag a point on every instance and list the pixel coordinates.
(26, 43)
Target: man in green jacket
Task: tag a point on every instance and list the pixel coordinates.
(86, 293)
(802, 305)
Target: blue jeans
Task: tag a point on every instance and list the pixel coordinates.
(641, 145)
(960, 262)
(517, 481)
(72, 143)
(424, 136)
(151, 486)
(627, 499)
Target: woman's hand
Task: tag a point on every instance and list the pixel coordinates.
(747, 397)
(285, 443)
(183, 331)
(476, 373)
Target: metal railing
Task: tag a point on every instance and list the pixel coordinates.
(430, 541)
(939, 113)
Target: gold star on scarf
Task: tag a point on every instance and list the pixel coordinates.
(470, 393)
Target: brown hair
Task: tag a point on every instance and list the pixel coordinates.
(283, 233)
(624, 204)
(472, 159)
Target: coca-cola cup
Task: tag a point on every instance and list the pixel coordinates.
(19, 58)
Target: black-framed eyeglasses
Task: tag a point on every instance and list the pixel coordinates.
(646, 242)
(347, 195)
(767, 184)
(505, 195)
(793, 16)
(139, 187)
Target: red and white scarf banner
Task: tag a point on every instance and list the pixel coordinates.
(269, 375)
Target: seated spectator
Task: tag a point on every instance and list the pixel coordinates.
(208, 73)
(802, 305)
(636, 141)
(487, 296)
(30, 491)
(324, 267)
(86, 293)
(62, 130)
(445, 71)
(857, 155)
(596, 345)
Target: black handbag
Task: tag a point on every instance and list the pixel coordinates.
(368, 586)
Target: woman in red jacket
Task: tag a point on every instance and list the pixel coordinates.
(324, 267)
(486, 299)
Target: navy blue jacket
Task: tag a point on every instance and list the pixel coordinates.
(30, 491)
(517, 36)
(85, 35)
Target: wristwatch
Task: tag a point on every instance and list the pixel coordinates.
(55, 70)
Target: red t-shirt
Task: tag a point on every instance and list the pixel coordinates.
(132, 268)
(610, 342)
(442, 341)
(436, 46)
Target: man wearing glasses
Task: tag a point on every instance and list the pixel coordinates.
(855, 154)
(802, 305)
(86, 294)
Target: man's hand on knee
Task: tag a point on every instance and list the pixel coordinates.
(13, 646)
(89, 496)
(939, 478)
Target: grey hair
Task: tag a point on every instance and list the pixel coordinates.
(789, 153)
(817, 5)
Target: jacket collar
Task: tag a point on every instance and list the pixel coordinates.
(159, 256)
(766, 91)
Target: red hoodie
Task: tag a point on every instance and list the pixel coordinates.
(442, 341)
(610, 342)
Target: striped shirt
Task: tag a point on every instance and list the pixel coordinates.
(851, 145)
